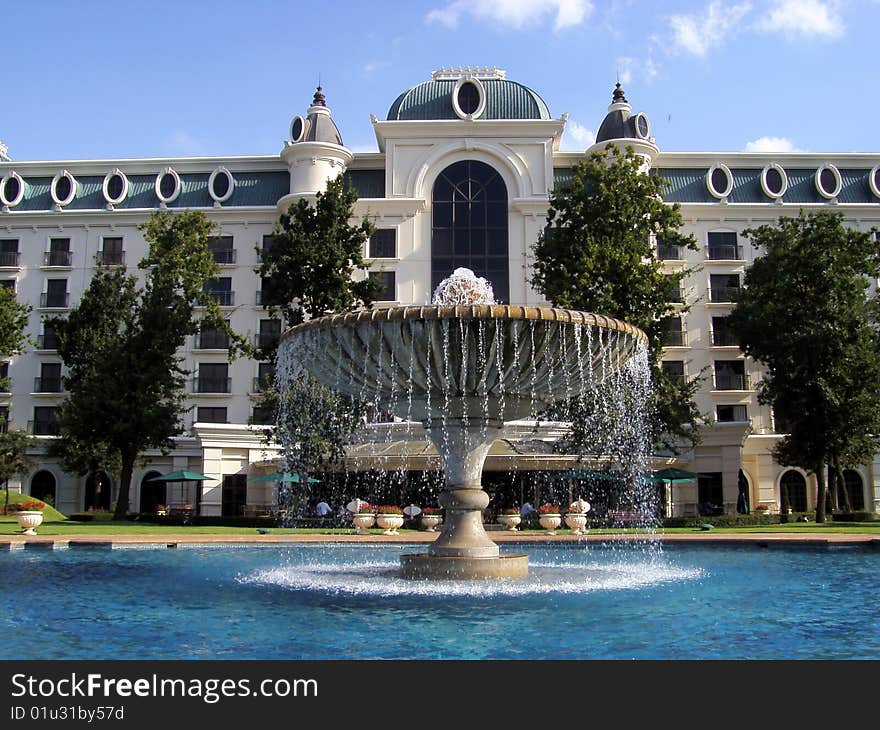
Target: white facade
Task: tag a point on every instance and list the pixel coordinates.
(395, 189)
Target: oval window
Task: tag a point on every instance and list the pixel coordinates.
(63, 188)
(828, 181)
(12, 190)
(719, 180)
(468, 97)
(167, 185)
(643, 127)
(220, 184)
(115, 187)
(774, 181)
(297, 129)
(874, 181)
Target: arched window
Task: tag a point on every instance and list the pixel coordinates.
(97, 492)
(43, 486)
(852, 482)
(795, 486)
(152, 493)
(469, 226)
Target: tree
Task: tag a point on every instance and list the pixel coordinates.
(806, 316)
(120, 344)
(13, 321)
(15, 458)
(597, 254)
(309, 271)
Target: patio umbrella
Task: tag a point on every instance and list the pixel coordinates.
(278, 476)
(184, 475)
(588, 474)
(675, 475)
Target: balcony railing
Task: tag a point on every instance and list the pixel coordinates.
(266, 340)
(212, 341)
(58, 258)
(724, 294)
(262, 383)
(48, 385)
(259, 299)
(732, 414)
(43, 428)
(732, 381)
(725, 252)
(675, 296)
(47, 342)
(224, 255)
(53, 300)
(724, 338)
(668, 253)
(675, 338)
(212, 385)
(224, 297)
(9, 259)
(110, 258)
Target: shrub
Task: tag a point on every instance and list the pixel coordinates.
(388, 509)
(854, 517)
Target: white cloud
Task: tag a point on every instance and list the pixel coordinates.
(577, 136)
(624, 69)
(697, 34)
(375, 66)
(180, 142)
(803, 17)
(514, 13)
(771, 144)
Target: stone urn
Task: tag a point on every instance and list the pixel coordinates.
(29, 520)
(389, 523)
(577, 522)
(430, 522)
(363, 522)
(509, 522)
(550, 521)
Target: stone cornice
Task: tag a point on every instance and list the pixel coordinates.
(145, 166)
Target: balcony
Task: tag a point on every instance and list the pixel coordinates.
(9, 259)
(732, 381)
(53, 300)
(48, 385)
(668, 253)
(43, 428)
(262, 383)
(259, 299)
(211, 385)
(725, 252)
(47, 341)
(225, 298)
(110, 258)
(63, 259)
(266, 340)
(212, 341)
(224, 256)
(724, 338)
(675, 338)
(724, 294)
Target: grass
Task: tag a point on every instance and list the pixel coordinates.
(49, 513)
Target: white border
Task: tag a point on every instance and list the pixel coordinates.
(106, 184)
(642, 115)
(872, 180)
(717, 193)
(781, 170)
(481, 90)
(838, 181)
(18, 198)
(221, 198)
(302, 134)
(52, 189)
(171, 198)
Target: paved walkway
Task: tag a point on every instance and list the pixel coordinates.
(173, 540)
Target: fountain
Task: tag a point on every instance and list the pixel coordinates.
(462, 367)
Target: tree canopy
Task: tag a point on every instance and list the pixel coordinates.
(15, 456)
(13, 322)
(120, 344)
(597, 254)
(806, 315)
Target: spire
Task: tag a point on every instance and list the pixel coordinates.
(618, 97)
(320, 99)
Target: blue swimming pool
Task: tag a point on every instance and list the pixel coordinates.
(345, 602)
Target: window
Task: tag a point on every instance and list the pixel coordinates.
(263, 295)
(270, 332)
(55, 294)
(47, 340)
(111, 253)
(49, 380)
(722, 336)
(710, 493)
(383, 244)
(673, 369)
(211, 414)
(731, 414)
(265, 376)
(115, 187)
(167, 186)
(220, 185)
(730, 375)
(873, 180)
(221, 290)
(469, 225)
(212, 339)
(297, 129)
(781, 421)
(673, 333)
(723, 287)
(222, 250)
(719, 181)
(58, 253)
(468, 98)
(674, 294)
(263, 416)
(11, 190)
(828, 181)
(793, 491)
(388, 281)
(268, 242)
(4, 419)
(8, 284)
(45, 421)
(667, 252)
(4, 376)
(774, 181)
(212, 378)
(852, 483)
(723, 246)
(63, 188)
(9, 252)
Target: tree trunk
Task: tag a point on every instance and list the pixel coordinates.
(784, 503)
(820, 493)
(841, 486)
(6, 503)
(124, 486)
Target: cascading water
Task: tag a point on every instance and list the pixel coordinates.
(463, 367)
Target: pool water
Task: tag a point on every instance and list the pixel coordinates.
(346, 602)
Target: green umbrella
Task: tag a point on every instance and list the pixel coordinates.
(278, 476)
(675, 475)
(588, 474)
(181, 475)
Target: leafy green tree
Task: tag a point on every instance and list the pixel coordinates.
(15, 457)
(13, 322)
(125, 379)
(806, 315)
(597, 254)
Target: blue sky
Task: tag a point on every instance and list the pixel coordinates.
(96, 79)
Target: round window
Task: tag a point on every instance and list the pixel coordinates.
(468, 98)
(167, 185)
(297, 129)
(874, 181)
(774, 181)
(643, 126)
(115, 187)
(719, 180)
(11, 190)
(63, 188)
(828, 181)
(221, 184)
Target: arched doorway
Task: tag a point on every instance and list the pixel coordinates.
(43, 486)
(152, 493)
(855, 489)
(794, 486)
(743, 505)
(97, 492)
(469, 225)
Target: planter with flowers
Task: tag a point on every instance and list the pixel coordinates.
(576, 516)
(510, 518)
(29, 515)
(364, 518)
(431, 518)
(161, 510)
(389, 518)
(550, 517)
(762, 509)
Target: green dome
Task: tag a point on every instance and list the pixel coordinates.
(433, 100)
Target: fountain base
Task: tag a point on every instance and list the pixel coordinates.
(430, 567)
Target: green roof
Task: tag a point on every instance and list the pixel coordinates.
(504, 100)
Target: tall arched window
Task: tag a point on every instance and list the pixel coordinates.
(43, 486)
(852, 482)
(795, 485)
(152, 493)
(469, 226)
